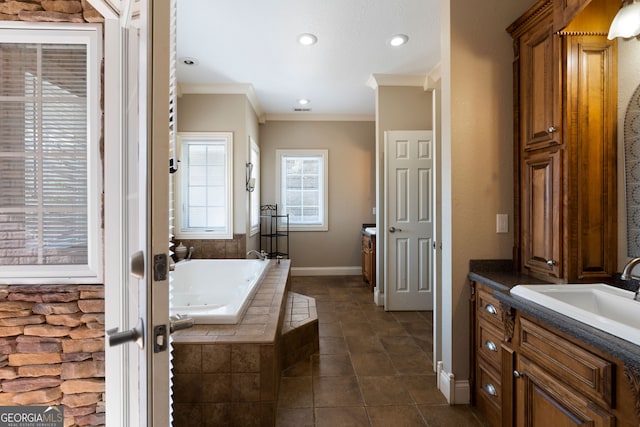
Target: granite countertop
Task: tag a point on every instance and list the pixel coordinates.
(500, 276)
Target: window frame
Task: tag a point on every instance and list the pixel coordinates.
(89, 35)
(322, 154)
(180, 231)
(254, 196)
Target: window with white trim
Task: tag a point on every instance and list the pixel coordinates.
(50, 167)
(302, 188)
(204, 186)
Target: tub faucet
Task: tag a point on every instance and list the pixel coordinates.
(190, 253)
(626, 274)
(262, 254)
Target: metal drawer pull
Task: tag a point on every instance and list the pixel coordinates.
(552, 129)
(489, 388)
(490, 345)
(516, 374)
(489, 308)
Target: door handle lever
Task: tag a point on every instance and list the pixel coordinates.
(132, 335)
(393, 229)
(178, 322)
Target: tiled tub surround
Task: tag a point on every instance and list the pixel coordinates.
(52, 349)
(229, 374)
(212, 248)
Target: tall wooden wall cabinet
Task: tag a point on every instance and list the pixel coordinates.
(565, 87)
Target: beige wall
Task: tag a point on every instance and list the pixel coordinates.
(397, 108)
(477, 137)
(351, 188)
(225, 113)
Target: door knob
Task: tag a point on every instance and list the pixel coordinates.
(132, 335)
(393, 229)
(137, 265)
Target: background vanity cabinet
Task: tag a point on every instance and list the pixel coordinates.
(565, 98)
(369, 259)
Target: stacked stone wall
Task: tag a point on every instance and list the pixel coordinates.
(52, 337)
(52, 349)
(49, 11)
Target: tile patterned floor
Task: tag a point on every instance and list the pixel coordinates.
(374, 368)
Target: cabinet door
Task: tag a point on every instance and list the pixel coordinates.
(540, 100)
(541, 212)
(541, 401)
(591, 110)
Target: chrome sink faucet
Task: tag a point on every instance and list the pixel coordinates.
(626, 274)
(262, 254)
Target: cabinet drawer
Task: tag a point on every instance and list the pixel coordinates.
(489, 386)
(572, 364)
(488, 307)
(488, 343)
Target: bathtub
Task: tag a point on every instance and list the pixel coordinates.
(215, 291)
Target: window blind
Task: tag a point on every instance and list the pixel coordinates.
(43, 154)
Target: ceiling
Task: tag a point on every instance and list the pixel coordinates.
(250, 46)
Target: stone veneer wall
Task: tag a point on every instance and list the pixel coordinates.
(52, 336)
(52, 349)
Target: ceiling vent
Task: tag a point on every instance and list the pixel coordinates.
(301, 110)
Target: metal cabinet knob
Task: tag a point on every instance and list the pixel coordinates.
(490, 345)
(516, 374)
(489, 388)
(489, 308)
(551, 262)
(552, 129)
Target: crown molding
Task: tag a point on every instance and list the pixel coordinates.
(377, 80)
(226, 89)
(306, 117)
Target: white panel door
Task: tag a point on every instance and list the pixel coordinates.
(409, 211)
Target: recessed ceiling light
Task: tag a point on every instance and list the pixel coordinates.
(307, 39)
(303, 101)
(189, 61)
(398, 40)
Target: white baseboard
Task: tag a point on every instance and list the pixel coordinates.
(326, 271)
(378, 297)
(456, 392)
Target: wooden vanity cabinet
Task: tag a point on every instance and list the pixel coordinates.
(526, 373)
(491, 375)
(369, 259)
(565, 94)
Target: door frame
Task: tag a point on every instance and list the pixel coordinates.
(140, 380)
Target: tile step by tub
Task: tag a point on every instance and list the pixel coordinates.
(300, 338)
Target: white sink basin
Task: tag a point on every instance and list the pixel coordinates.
(604, 307)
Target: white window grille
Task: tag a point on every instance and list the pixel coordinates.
(303, 188)
(204, 203)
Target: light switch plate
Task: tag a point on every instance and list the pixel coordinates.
(502, 223)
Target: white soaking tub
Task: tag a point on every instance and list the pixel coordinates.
(215, 291)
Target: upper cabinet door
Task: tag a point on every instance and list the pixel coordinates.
(540, 100)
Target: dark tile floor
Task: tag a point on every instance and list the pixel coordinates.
(374, 368)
